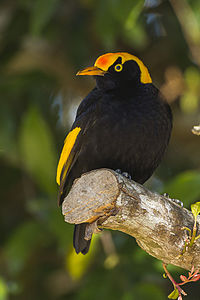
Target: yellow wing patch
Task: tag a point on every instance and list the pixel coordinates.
(68, 145)
(105, 61)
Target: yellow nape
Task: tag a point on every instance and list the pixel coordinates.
(103, 62)
(68, 145)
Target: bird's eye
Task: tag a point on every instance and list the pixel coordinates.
(118, 68)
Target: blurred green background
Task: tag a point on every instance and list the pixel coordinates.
(43, 43)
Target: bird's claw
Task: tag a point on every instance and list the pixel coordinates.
(177, 201)
(125, 174)
(118, 171)
(90, 229)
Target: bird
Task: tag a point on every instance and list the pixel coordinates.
(123, 124)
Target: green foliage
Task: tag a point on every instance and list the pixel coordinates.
(174, 294)
(41, 14)
(116, 17)
(36, 149)
(195, 208)
(21, 244)
(3, 290)
(190, 98)
(147, 291)
(177, 293)
(77, 265)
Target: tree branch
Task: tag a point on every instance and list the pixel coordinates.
(110, 200)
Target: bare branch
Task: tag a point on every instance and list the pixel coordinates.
(108, 199)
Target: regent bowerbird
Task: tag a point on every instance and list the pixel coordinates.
(123, 123)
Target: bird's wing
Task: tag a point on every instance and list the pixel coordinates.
(73, 142)
(67, 154)
(68, 157)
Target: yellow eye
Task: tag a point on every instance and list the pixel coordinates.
(118, 68)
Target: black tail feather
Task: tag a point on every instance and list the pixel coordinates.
(79, 243)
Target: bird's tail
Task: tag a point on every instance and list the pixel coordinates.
(79, 243)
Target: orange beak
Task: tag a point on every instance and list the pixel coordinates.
(91, 71)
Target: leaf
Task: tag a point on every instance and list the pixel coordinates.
(196, 272)
(195, 208)
(133, 15)
(21, 245)
(3, 290)
(174, 294)
(8, 147)
(183, 278)
(77, 265)
(41, 14)
(144, 291)
(192, 270)
(119, 18)
(195, 277)
(189, 102)
(38, 155)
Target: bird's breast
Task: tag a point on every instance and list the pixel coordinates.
(127, 135)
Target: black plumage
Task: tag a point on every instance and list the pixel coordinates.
(125, 124)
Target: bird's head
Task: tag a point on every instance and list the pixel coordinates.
(113, 70)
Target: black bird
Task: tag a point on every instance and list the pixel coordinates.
(123, 123)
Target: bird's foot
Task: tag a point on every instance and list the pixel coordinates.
(177, 201)
(90, 229)
(125, 174)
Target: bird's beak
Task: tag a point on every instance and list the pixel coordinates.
(91, 71)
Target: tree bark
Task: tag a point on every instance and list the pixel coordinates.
(109, 200)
